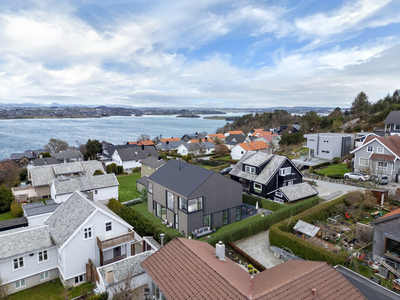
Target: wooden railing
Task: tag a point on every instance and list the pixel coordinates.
(106, 262)
(109, 243)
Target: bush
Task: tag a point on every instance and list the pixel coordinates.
(336, 176)
(6, 197)
(336, 160)
(23, 174)
(98, 172)
(120, 170)
(102, 296)
(263, 203)
(136, 170)
(324, 164)
(16, 209)
(111, 168)
(208, 162)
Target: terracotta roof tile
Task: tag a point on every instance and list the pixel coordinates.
(216, 135)
(198, 141)
(254, 146)
(390, 214)
(236, 132)
(260, 132)
(170, 140)
(382, 157)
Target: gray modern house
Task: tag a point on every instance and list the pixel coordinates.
(328, 145)
(188, 197)
(392, 122)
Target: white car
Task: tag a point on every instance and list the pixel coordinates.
(357, 176)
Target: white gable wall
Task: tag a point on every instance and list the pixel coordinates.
(237, 152)
(103, 195)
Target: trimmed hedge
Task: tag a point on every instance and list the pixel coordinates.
(245, 228)
(208, 162)
(262, 203)
(324, 164)
(280, 235)
(141, 225)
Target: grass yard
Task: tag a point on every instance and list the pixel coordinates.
(334, 169)
(127, 187)
(51, 291)
(6, 216)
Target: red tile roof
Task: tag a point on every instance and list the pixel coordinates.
(170, 140)
(392, 142)
(236, 132)
(145, 143)
(198, 140)
(260, 132)
(188, 269)
(382, 157)
(390, 214)
(254, 145)
(216, 135)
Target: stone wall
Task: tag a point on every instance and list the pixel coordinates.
(340, 181)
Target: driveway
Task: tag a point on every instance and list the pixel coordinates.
(330, 190)
(258, 247)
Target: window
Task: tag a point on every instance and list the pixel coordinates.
(95, 192)
(285, 171)
(78, 279)
(176, 222)
(20, 283)
(363, 162)
(225, 217)
(44, 275)
(43, 256)
(257, 187)
(195, 204)
(87, 233)
(278, 194)
(279, 200)
(19, 263)
(379, 150)
(151, 187)
(170, 200)
(288, 183)
(161, 211)
(238, 213)
(108, 226)
(207, 220)
(250, 169)
(311, 140)
(183, 204)
(370, 149)
(396, 127)
(382, 165)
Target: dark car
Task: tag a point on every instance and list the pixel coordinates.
(225, 171)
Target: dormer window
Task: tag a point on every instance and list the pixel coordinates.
(250, 169)
(285, 171)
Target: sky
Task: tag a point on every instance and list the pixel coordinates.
(198, 53)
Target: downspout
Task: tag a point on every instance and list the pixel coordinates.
(317, 143)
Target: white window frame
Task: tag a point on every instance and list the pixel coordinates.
(258, 190)
(45, 275)
(372, 149)
(106, 224)
(396, 126)
(176, 221)
(278, 194)
(285, 171)
(250, 169)
(43, 254)
(289, 183)
(382, 165)
(18, 260)
(89, 231)
(364, 159)
(170, 200)
(380, 150)
(150, 190)
(79, 279)
(20, 283)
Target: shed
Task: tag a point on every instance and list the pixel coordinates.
(306, 228)
(380, 194)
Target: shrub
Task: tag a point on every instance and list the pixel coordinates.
(102, 296)
(349, 165)
(336, 176)
(98, 172)
(324, 164)
(336, 160)
(208, 162)
(136, 170)
(263, 203)
(23, 174)
(6, 197)
(358, 127)
(112, 168)
(16, 209)
(120, 170)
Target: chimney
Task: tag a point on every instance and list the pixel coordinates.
(40, 155)
(65, 160)
(167, 142)
(205, 139)
(247, 143)
(159, 158)
(142, 147)
(386, 135)
(109, 274)
(314, 292)
(162, 239)
(220, 251)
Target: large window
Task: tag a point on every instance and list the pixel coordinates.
(257, 187)
(207, 220)
(43, 256)
(19, 263)
(238, 213)
(392, 247)
(382, 165)
(363, 162)
(151, 187)
(380, 150)
(225, 217)
(285, 171)
(170, 200)
(87, 233)
(250, 169)
(20, 283)
(183, 204)
(195, 204)
(161, 211)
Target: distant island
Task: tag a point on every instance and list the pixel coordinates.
(221, 118)
(188, 116)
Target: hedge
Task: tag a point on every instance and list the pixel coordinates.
(327, 163)
(141, 225)
(245, 228)
(262, 203)
(16, 209)
(208, 162)
(280, 235)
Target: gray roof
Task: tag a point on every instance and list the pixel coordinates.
(109, 150)
(258, 158)
(137, 153)
(44, 175)
(234, 139)
(13, 223)
(44, 161)
(125, 268)
(181, 177)
(143, 181)
(207, 145)
(23, 240)
(169, 145)
(298, 191)
(72, 214)
(28, 154)
(39, 209)
(393, 117)
(69, 185)
(153, 161)
(67, 154)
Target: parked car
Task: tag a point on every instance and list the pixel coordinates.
(381, 179)
(357, 176)
(225, 171)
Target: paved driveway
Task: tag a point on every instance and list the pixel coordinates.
(329, 190)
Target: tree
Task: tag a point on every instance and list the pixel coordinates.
(360, 104)
(23, 174)
(221, 150)
(92, 148)
(6, 197)
(9, 173)
(56, 145)
(143, 137)
(98, 172)
(143, 195)
(311, 121)
(4, 288)
(354, 199)
(44, 154)
(112, 168)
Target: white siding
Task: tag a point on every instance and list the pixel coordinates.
(237, 152)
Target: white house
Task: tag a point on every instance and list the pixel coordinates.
(240, 149)
(100, 187)
(130, 158)
(328, 145)
(79, 237)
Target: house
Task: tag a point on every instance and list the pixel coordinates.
(270, 139)
(214, 136)
(208, 147)
(168, 146)
(37, 212)
(240, 149)
(294, 128)
(392, 122)
(149, 166)
(259, 132)
(25, 157)
(42, 162)
(169, 140)
(195, 270)
(234, 132)
(234, 139)
(196, 141)
(361, 136)
(109, 151)
(42, 176)
(68, 156)
(188, 137)
(271, 176)
(24, 194)
(99, 188)
(379, 155)
(190, 197)
(79, 236)
(387, 238)
(328, 145)
(145, 143)
(185, 149)
(130, 158)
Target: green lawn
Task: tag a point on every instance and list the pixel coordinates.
(334, 169)
(51, 291)
(6, 216)
(127, 187)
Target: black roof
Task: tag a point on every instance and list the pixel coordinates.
(153, 161)
(109, 151)
(143, 181)
(137, 153)
(238, 137)
(181, 177)
(393, 117)
(45, 161)
(13, 223)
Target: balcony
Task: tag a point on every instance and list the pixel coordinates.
(112, 242)
(106, 262)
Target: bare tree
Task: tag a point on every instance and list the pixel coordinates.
(122, 290)
(143, 137)
(4, 288)
(9, 173)
(56, 145)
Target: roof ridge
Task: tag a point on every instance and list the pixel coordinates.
(24, 229)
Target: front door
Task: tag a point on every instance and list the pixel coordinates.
(117, 251)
